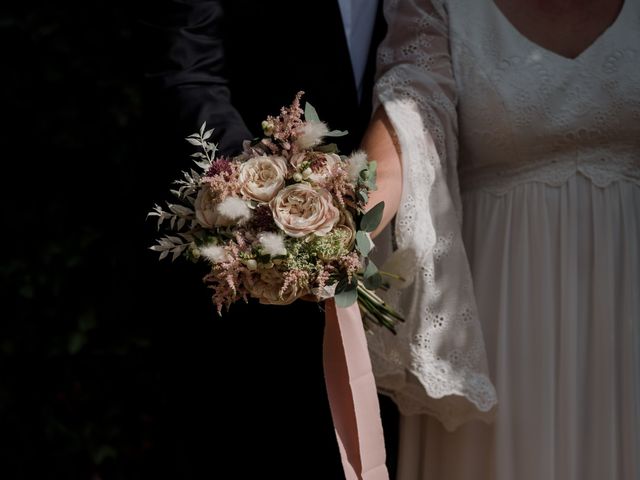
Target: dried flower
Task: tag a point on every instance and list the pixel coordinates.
(356, 163)
(311, 134)
(262, 219)
(233, 210)
(272, 244)
(220, 166)
(214, 253)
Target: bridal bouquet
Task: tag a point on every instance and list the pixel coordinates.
(283, 220)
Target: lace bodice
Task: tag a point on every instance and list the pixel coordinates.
(475, 104)
(526, 113)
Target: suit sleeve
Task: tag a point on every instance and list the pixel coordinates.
(188, 74)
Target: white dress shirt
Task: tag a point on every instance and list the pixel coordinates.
(358, 18)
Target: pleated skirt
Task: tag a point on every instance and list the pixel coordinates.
(556, 272)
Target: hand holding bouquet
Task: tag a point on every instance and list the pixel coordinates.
(283, 220)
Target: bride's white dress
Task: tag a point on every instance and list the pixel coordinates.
(520, 215)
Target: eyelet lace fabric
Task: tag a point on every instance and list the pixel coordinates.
(474, 110)
(437, 362)
(529, 115)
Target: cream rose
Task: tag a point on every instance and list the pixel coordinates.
(267, 285)
(319, 166)
(262, 177)
(206, 209)
(339, 242)
(347, 225)
(301, 209)
(211, 213)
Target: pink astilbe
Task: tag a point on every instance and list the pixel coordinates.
(282, 129)
(340, 185)
(222, 178)
(297, 277)
(350, 263)
(323, 275)
(226, 278)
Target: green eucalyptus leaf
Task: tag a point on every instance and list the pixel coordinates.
(76, 342)
(373, 169)
(372, 218)
(373, 175)
(310, 113)
(363, 242)
(329, 148)
(337, 133)
(346, 298)
(372, 277)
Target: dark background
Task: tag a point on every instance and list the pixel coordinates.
(90, 327)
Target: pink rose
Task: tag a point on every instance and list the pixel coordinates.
(300, 210)
(262, 177)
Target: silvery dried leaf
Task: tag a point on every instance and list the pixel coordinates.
(207, 134)
(204, 164)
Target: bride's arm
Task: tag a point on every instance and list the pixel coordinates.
(380, 144)
(416, 89)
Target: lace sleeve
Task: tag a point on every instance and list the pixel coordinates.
(437, 363)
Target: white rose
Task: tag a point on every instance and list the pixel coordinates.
(262, 177)
(300, 210)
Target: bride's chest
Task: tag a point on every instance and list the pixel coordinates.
(519, 101)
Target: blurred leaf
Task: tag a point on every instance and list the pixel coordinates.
(372, 218)
(364, 243)
(372, 277)
(87, 321)
(337, 133)
(76, 342)
(104, 452)
(346, 292)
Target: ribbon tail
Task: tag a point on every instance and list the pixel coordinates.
(352, 394)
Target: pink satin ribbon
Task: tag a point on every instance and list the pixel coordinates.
(352, 394)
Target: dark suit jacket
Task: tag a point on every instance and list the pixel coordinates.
(233, 62)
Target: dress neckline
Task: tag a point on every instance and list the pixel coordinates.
(606, 32)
